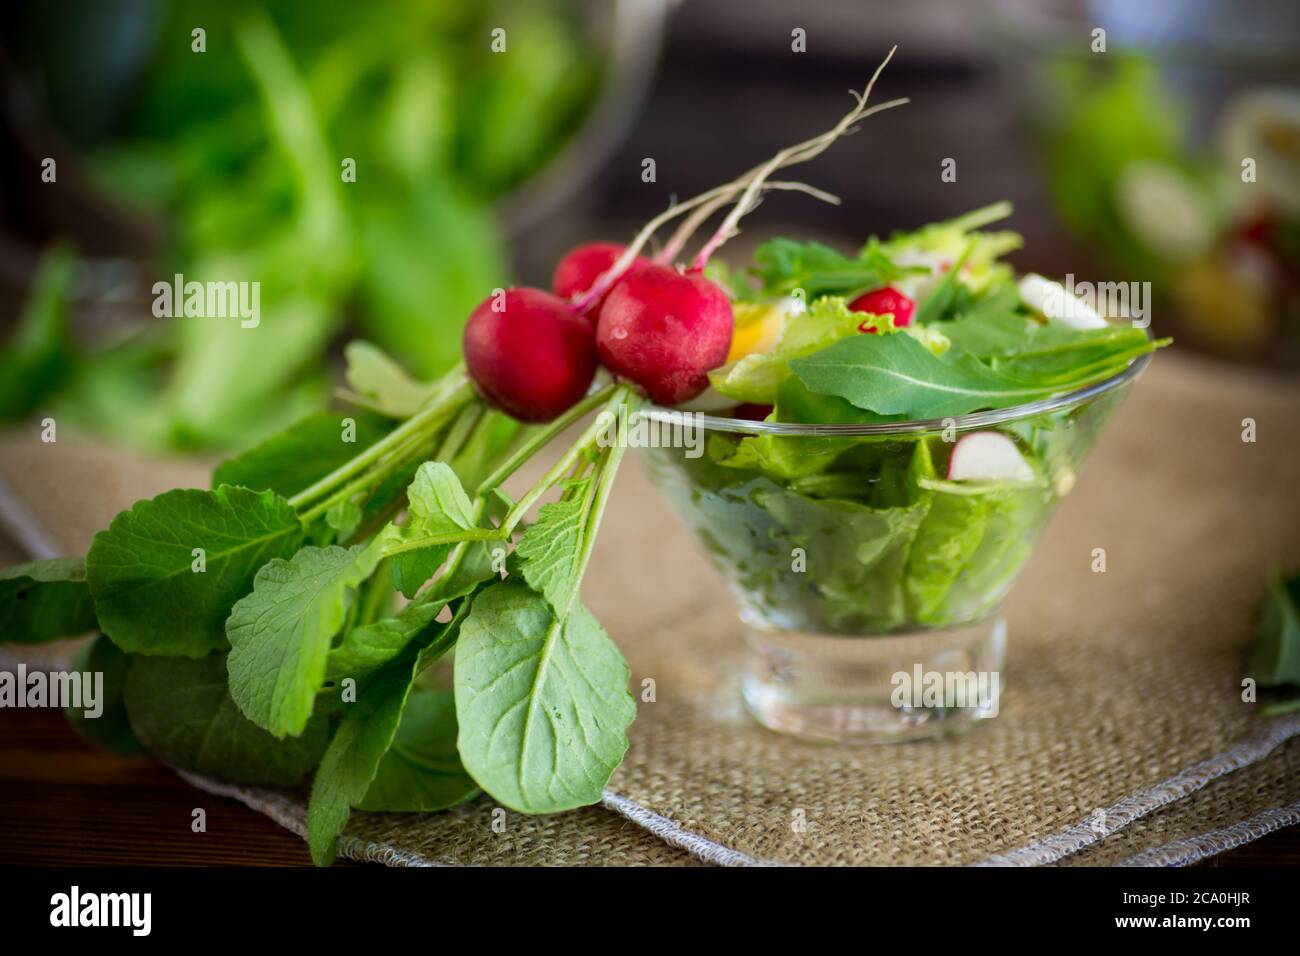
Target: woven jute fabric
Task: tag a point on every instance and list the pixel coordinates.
(1122, 727)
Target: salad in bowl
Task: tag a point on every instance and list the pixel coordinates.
(886, 439)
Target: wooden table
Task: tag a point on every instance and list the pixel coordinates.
(64, 803)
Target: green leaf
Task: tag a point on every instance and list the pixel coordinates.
(856, 558)
(181, 710)
(280, 634)
(896, 375)
(991, 329)
(1276, 658)
(951, 530)
(422, 772)
(371, 645)
(141, 571)
(941, 298)
(779, 456)
(45, 600)
(302, 454)
(111, 730)
(543, 703)
(757, 377)
(377, 378)
(439, 508)
(783, 265)
(551, 549)
(363, 736)
(38, 357)
(952, 239)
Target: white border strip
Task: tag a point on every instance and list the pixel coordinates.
(1121, 814)
(675, 835)
(291, 816)
(1212, 842)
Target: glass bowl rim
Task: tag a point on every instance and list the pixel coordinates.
(920, 426)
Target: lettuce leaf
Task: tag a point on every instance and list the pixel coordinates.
(757, 377)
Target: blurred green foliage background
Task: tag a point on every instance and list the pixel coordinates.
(239, 151)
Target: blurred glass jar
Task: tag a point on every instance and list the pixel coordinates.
(1169, 138)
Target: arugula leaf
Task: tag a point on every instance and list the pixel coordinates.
(783, 265)
(551, 549)
(377, 378)
(45, 600)
(895, 374)
(943, 295)
(363, 736)
(181, 710)
(280, 634)
(757, 377)
(543, 703)
(439, 507)
(296, 458)
(1276, 659)
(422, 772)
(993, 327)
(111, 730)
(149, 597)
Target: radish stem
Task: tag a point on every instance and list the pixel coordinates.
(702, 213)
(791, 155)
(423, 422)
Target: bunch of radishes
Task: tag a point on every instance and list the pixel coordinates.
(533, 354)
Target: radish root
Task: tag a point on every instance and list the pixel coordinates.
(750, 186)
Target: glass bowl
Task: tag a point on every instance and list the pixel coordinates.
(868, 582)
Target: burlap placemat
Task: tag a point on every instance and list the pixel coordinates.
(1121, 730)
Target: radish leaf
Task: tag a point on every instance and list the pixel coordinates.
(144, 574)
(542, 703)
(552, 547)
(45, 600)
(422, 772)
(280, 634)
(110, 729)
(181, 710)
(439, 507)
(378, 378)
(363, 736)
(1277, 640)
(294, 459)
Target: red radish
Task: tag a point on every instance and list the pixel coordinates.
(665, 331)
(529, 354)
(881, 301)
(582, 266)
(988, 456)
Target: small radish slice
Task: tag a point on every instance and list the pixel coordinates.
(1057, 303)
(988, 456)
